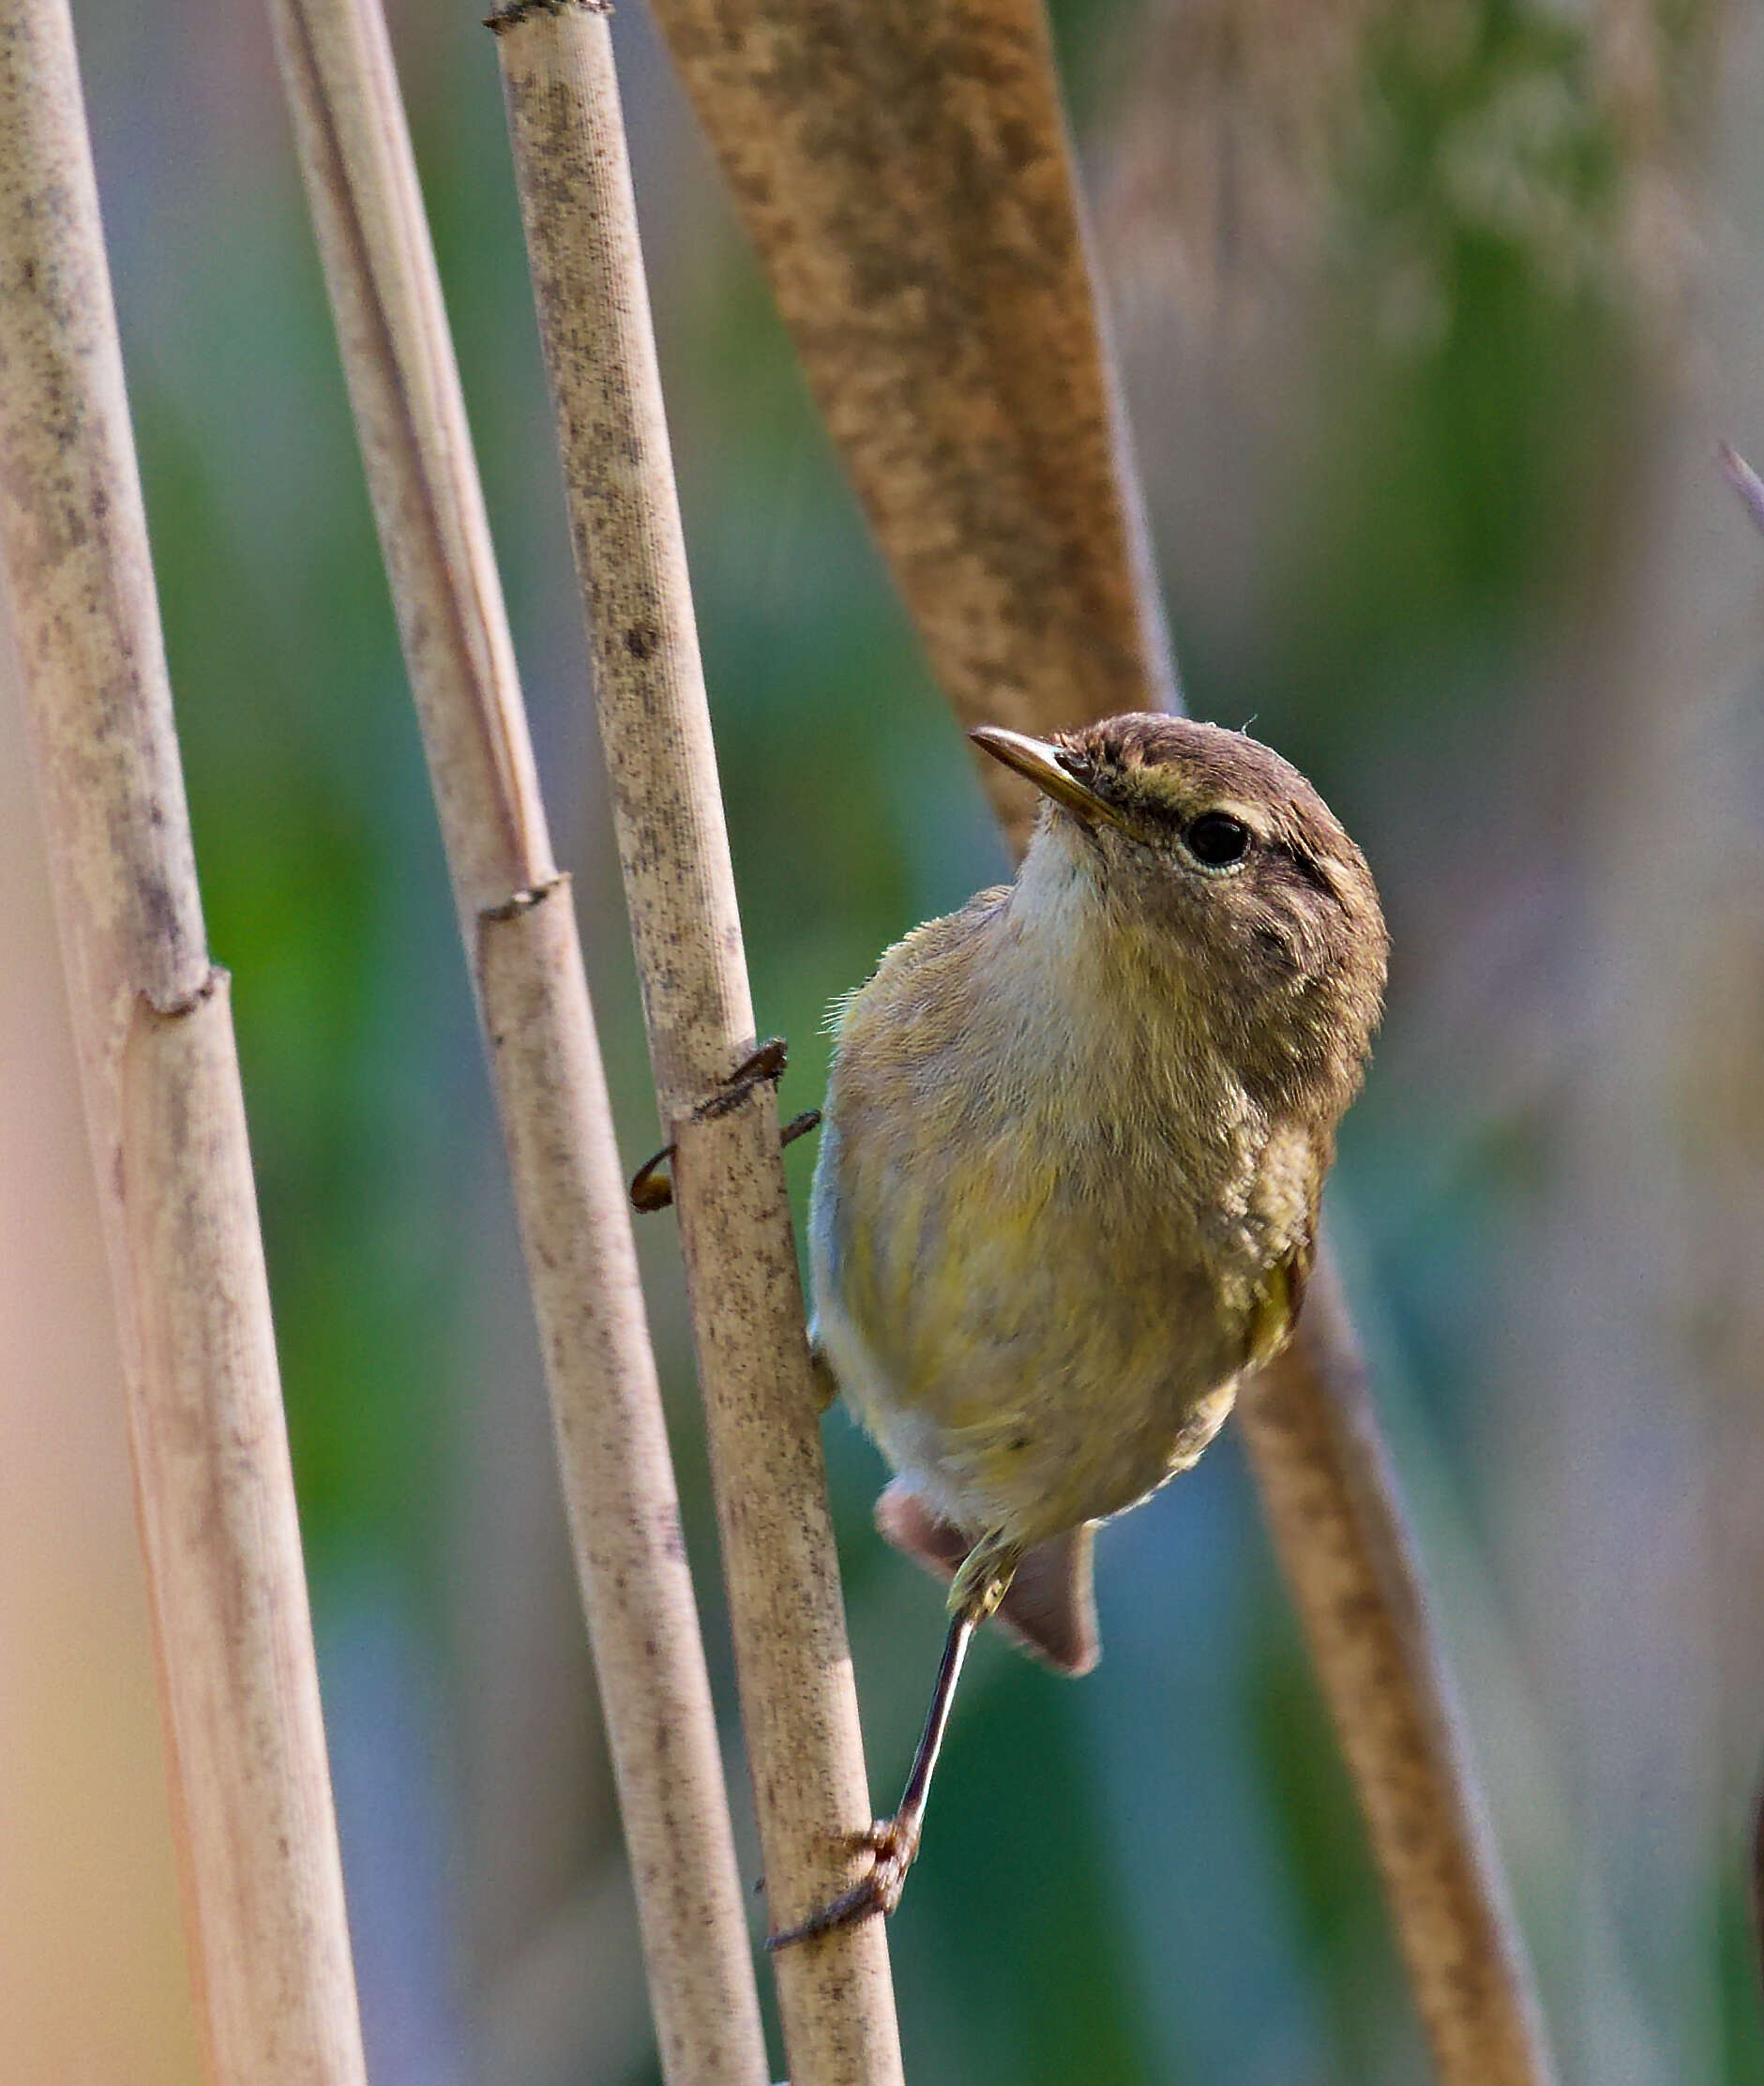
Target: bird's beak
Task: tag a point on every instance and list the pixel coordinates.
(1040, 762)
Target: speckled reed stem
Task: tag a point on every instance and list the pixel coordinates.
(519, 924)
(905, 176)
(251, 1799)
(799, 1705)
(1338, 1528)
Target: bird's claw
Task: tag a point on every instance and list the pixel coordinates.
(894, 1846)
(652, 1190)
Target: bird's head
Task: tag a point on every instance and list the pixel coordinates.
(1204, 844)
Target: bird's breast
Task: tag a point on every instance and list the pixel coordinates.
(1036, 1319)
(1036, 1239)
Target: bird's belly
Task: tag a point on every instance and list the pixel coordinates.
(1030, 1356)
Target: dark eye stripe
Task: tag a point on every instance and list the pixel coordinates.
(1306, 867)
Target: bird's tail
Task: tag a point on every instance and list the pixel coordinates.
(1050, 1607)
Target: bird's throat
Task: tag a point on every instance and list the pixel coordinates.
(1071, 978)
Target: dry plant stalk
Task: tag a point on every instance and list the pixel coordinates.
(906, 179)
(903, 174)
(1337, 1523)
(517, 921)
(251, 1799)
(798, 1701)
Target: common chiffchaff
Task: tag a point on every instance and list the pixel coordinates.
(1069, 1179)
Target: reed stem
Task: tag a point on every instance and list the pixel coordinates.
(798, 1701)
(253, 1815)
(518, 921)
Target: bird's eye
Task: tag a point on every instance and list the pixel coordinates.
(1217, 840)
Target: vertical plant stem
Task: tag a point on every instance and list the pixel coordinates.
(905, 176)
(798, 1702)
(252, 1798)
(1332, 1505)
(907, 181)
(519, 924)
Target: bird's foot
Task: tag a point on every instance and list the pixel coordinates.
(893, 1843)
(984, 1577)
(652, 1190)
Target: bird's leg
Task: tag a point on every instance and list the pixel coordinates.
(894, 1841)
(651, 1188)
(978, 1587)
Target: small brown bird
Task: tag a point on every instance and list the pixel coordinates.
(1067, 1190)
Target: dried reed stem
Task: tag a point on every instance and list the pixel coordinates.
(798, 1702)
(1337, 1523)
(904, 174)
(519, 924)
(906, 178)
(251, 1799)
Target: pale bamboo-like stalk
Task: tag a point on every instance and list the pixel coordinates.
(906, 178)
(519, 924)
(253, 1822)
(798, 1700)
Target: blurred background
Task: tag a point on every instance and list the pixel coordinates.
(1431, 318)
